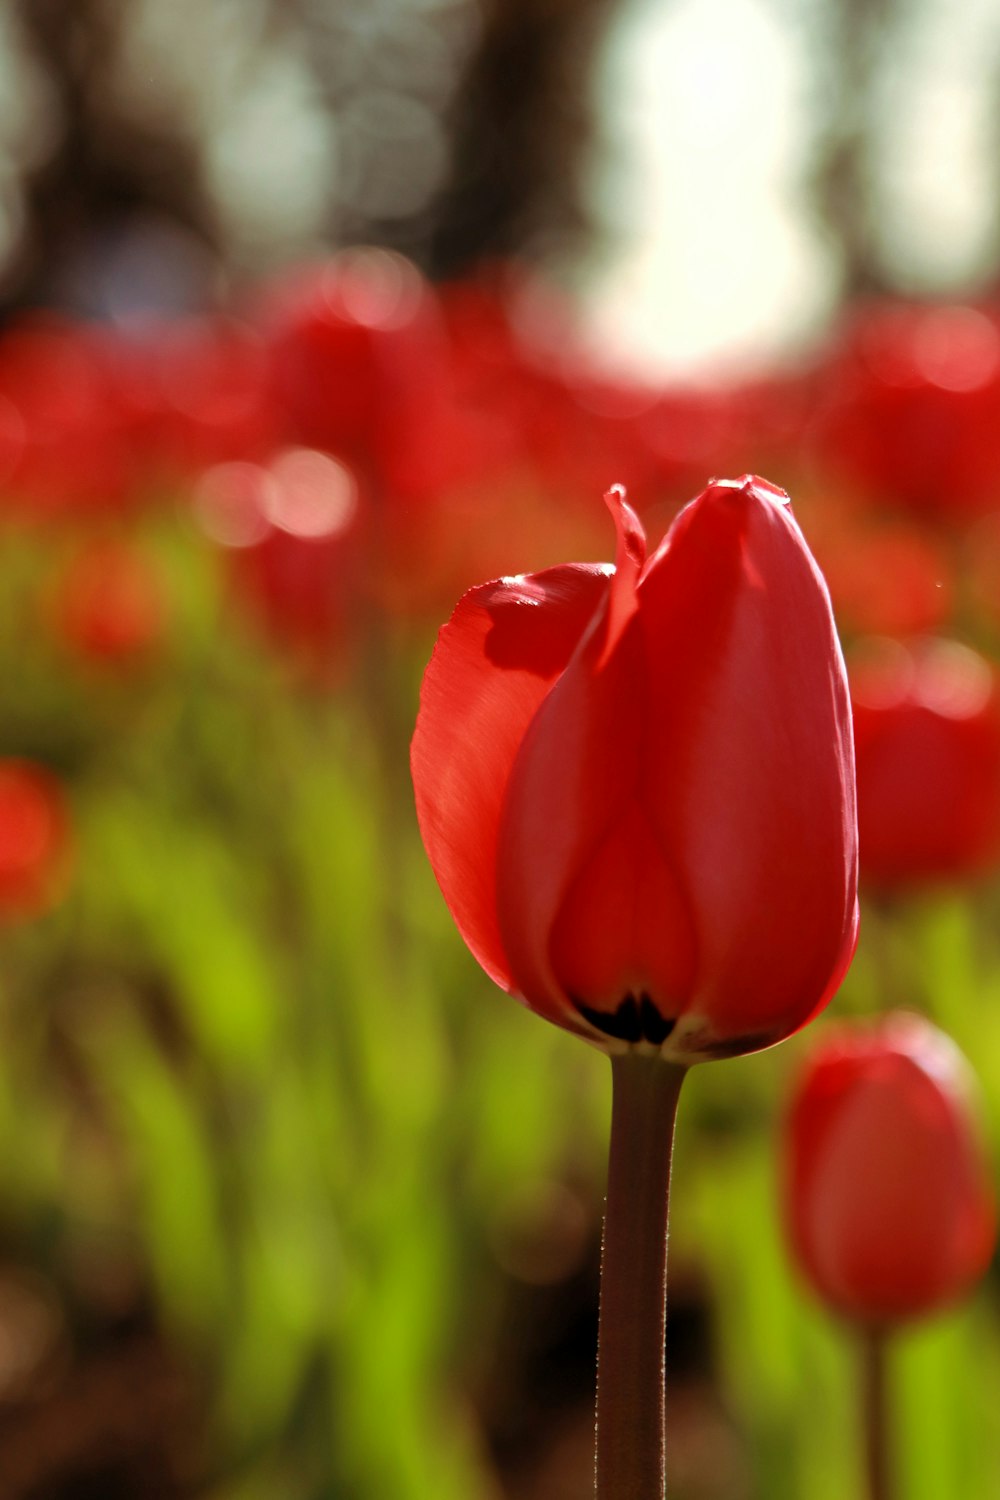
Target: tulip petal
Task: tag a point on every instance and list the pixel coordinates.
(494, 663)
(749, 770)
(622, 928)
(570, 784)
(630, 555)
(591, 913)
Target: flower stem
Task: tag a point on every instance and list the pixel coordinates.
(631, 1399)
(875, 1414)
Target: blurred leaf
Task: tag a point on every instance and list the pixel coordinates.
(170, 1156)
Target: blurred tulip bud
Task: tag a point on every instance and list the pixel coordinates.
(927, 742)
(913, 400)
(108, 604)
(886, 579)
(636, 784)
(65, 441)
(291, 533)
(888, 1202)
(212, 399)
(34, 840)
(354, 348)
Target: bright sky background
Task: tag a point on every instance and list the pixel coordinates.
(707, 104)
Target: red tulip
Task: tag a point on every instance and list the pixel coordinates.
(913, 399)
(34, 840)
(889, 1205)
(292, 534)
(887, 579)
(927, 733)
(108, 604)
(203, 396)
(65, 447)
(636, 787)
(356, 347)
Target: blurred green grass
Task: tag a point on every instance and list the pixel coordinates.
(248, 1066)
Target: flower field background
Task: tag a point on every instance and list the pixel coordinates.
(295, 1204)
(293, 1200)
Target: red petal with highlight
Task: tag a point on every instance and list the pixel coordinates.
(750, 768)
(575, 782)
(493, 666)
(638, 795)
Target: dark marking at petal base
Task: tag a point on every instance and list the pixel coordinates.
(635, 1020)
(623, 1024)
(655, 1028)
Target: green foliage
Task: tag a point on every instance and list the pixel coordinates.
(248, 1058)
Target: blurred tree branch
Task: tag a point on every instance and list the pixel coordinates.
(105, 166)
(503, 89)
(849, 41)
(521, 128)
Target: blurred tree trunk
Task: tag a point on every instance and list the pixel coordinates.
(104, 169)
(849, 40)
(521, 126)
(517, 118)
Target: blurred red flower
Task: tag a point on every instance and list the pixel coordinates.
(357, 356)
(200, 392)
(927, 745)
(910, 409)
(108, 603)
(65, 435)
(885, 578)
(888, 1199)
(291, 533)
(34, 840)
(635, 785)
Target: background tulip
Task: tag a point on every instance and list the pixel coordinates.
(34, 840)
(927, 740)
(910, 405)
(889, 1206)
(635, 785)
(108, 605)
(291, 534)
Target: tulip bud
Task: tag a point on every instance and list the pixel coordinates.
(889, 1208)
(927, 737)
(912, 398)
(108, 604)
(356, 349)
(34, 840)
(636, 784)
(292, 534)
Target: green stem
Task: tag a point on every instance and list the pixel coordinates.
(631, 1399)
(874, 1389)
